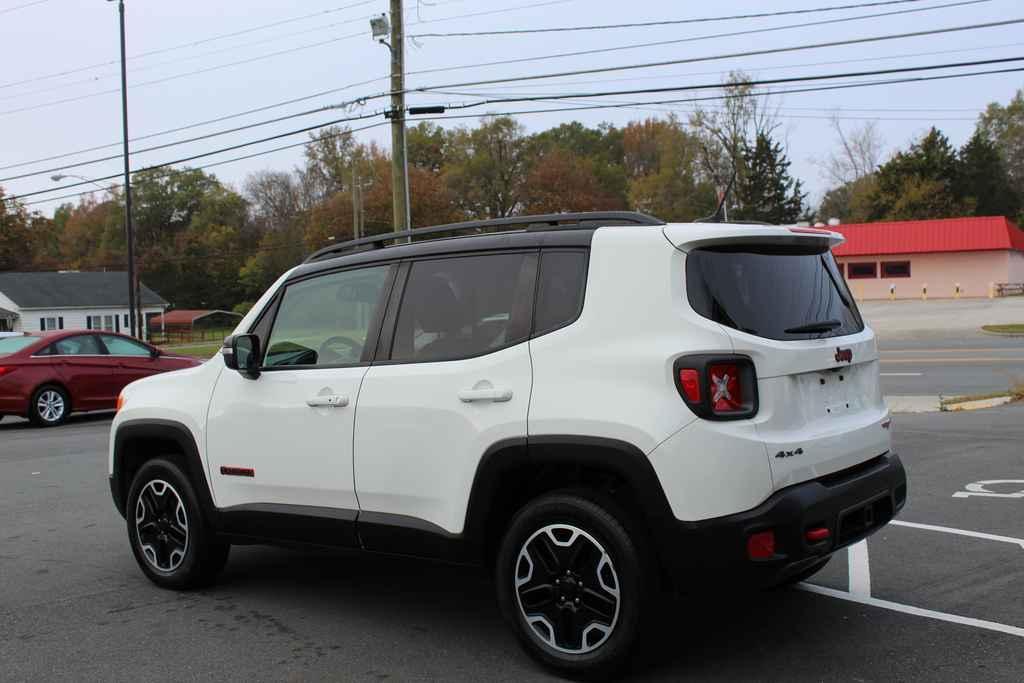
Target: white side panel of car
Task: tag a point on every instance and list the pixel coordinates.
(610, 374)
(301, 454)
(421, 429)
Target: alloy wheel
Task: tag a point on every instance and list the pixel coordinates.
(161, 524)
(567, 589)
(50, 405)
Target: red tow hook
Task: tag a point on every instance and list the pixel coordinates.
(817, 535)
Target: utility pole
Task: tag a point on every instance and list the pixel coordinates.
(399, 164)
(357, 203)
(129, 232)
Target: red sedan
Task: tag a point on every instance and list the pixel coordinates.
(47, 377)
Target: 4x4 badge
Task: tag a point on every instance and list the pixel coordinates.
(789, 454)
(844, 355)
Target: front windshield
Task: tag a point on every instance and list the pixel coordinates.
(15, 344)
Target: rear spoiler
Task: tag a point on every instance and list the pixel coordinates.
(686, 236)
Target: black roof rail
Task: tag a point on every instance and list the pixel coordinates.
(549, 221)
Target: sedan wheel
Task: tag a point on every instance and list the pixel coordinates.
(50, 407)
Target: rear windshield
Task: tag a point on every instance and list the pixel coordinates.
(15, 344)
(772, 292)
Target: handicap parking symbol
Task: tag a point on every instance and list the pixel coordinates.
(980, 489)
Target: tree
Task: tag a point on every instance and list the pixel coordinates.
(1003, 126)
(562, 181)
(766, 192)
(275, 199)
(857, 154)
(487, 166)
(427, 146)
(982, 177)
(14, 234)
(601, 148)
(661, 161)
(920, 182)
(851, 202)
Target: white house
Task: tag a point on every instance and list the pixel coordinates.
(34, 302)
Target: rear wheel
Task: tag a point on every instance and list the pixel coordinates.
(50, 406)
(171, 540)
(573, 583)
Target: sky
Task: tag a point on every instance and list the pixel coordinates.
(193, 61)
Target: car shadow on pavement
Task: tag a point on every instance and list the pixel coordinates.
(725, 634)
(78, 419)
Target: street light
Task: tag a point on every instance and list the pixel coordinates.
(61, 176)
(128, 230)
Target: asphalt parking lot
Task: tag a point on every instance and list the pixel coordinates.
(941, 601)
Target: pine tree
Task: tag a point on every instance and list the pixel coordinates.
(765, 191)
(982, 176)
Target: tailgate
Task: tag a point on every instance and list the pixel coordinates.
(782, 301)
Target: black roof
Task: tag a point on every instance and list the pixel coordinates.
(72, 290)
(563, 229)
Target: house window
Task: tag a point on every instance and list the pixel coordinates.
(895, 268)
(125, 323)
(46, 324)
(94, 322)
(108, 323)
(861, 271)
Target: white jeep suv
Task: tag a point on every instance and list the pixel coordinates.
(596, 406)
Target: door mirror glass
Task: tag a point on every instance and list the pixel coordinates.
(245, 355)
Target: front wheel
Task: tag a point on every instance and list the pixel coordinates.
(573, 583)
(169, 537)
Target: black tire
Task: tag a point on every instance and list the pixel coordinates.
(544, 525)
(171, 554)
(52, 396)
(804, 575)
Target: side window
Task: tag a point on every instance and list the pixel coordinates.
(465, 306)
(325, 320)
(119, 346)
(560, 289)
(82, 345)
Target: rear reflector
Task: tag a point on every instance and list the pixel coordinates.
(689, 381)
(817, 535)
(726, 390)
(761, 546)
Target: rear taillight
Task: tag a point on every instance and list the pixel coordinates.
(6, 370)
(717, 387)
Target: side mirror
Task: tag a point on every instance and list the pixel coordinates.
(155, 353)
(242, 353)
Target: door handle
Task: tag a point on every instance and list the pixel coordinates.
(493, 395)
(333, 401)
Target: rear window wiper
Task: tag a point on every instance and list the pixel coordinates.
(819, 326)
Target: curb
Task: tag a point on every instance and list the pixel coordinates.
(977, 405)
(1001, 334)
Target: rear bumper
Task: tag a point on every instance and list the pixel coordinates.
(851, 504)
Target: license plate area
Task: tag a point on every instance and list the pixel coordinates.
(838, 392)
(861, 519)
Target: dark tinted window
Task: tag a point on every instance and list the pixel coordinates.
(466, 306)
(559, 289)
(861, 271)
(772, 293)
(325, 320)
(83, 345)
(895, 268)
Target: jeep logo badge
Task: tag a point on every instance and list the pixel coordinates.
(844, 355)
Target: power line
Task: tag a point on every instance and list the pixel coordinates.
(192, 43)
(668, 22)
(217, 67)
(730, 55)
(677, 41)
(608, 106)
(757, 82)
(559, 84)
(15, 8)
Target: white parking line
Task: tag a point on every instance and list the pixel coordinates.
(859, 569)
(961, 532)
(915, 611)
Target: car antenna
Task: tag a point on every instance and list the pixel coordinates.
(720, 214)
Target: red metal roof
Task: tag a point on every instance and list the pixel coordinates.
(182, 316)
(983, 233)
